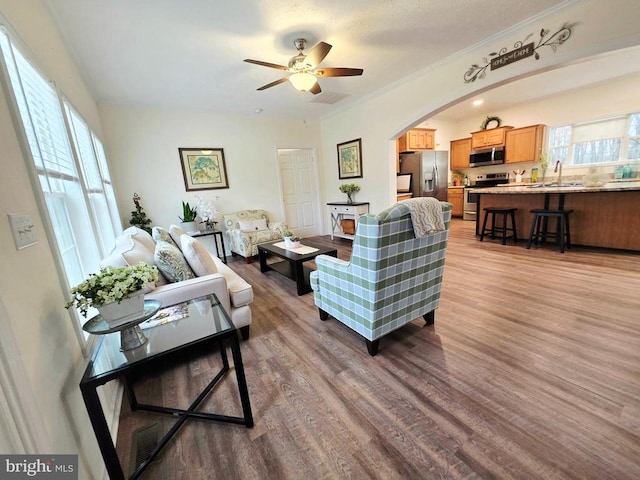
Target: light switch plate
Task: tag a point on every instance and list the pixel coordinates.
(24, 233)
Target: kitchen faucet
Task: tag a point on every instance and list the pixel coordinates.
(558, 170)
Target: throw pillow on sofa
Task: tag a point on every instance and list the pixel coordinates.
(197, 255)
(159, 233)
(253, 225)
(176, 232)
(170, 261)
(140, 236)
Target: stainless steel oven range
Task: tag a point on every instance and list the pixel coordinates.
(481, 181)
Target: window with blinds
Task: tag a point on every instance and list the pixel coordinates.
(70, 165)
(611, 140)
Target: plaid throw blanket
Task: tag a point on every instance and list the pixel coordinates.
(426, 215)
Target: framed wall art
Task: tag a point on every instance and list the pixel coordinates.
(350, 159)
(203, 168)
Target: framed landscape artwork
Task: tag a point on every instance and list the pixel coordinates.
(203, 168)
(350, 159)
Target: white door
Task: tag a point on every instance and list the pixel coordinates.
(299, 191)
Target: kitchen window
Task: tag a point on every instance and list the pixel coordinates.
(69, 167)
(605, 141)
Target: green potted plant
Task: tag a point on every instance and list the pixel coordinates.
(290, 240)
(349, 189)
(188, 218)
(138, 216)
(113, 286)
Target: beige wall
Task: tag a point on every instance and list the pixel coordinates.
(378, 121)
(615, 97)
(142, 145)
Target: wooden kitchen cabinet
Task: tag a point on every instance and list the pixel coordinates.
(494, 137)
(524, 144)
(455, 196)
(417, 139)
(459, 153)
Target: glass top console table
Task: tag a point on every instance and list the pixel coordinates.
(193, 324)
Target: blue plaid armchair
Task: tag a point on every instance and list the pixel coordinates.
(392, 278)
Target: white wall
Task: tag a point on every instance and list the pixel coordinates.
(379, 120)
(143, 143)
(142, 147)
(615, 97)
(49, 359)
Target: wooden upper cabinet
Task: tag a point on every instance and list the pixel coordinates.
(417, 139)
(494, 137)
(524, 144)
(459, 153)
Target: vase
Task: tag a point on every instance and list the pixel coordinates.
(349, 199)
(190, 227)
(290, 243)
(116, 314)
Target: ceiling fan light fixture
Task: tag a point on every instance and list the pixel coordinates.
(302, 81)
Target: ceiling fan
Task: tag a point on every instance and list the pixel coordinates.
(303, 71)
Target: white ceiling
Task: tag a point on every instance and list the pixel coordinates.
(189, 53)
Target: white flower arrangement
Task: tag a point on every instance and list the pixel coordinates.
(111, 285)
(207, 210)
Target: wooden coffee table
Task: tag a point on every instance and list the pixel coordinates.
(292, 264)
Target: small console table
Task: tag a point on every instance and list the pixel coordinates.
(216, 234)
(343, 210)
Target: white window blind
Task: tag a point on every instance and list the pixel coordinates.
(601, 130)
(610, 140)
(83, 140)
(75, 183)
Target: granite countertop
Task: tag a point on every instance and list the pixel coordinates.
(455, 186)
(631, 184)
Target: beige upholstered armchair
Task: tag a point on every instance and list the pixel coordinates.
(246, 229)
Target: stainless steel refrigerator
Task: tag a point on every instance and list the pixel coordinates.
(429, 171)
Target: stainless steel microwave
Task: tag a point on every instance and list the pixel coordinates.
(486, 156)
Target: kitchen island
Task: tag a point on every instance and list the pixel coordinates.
(603, 216)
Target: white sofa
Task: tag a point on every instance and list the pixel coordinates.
(135, 245)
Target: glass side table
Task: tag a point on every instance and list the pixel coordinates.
(202, 320)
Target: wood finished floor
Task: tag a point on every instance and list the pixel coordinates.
(532, 371)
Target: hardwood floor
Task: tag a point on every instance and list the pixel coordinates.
(532, 371)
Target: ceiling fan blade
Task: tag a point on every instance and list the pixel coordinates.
(266, 64)
(273, 84)
(316, 89)
(338, 72)
(317, 54)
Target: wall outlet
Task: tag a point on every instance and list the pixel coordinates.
(24, 234)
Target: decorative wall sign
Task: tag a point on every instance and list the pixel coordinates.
(203, 168)
(520, 51)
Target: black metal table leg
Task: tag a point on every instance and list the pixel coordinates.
(242, 381)
(101, 429)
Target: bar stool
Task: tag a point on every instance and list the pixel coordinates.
(539, 232)
(505, 212)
